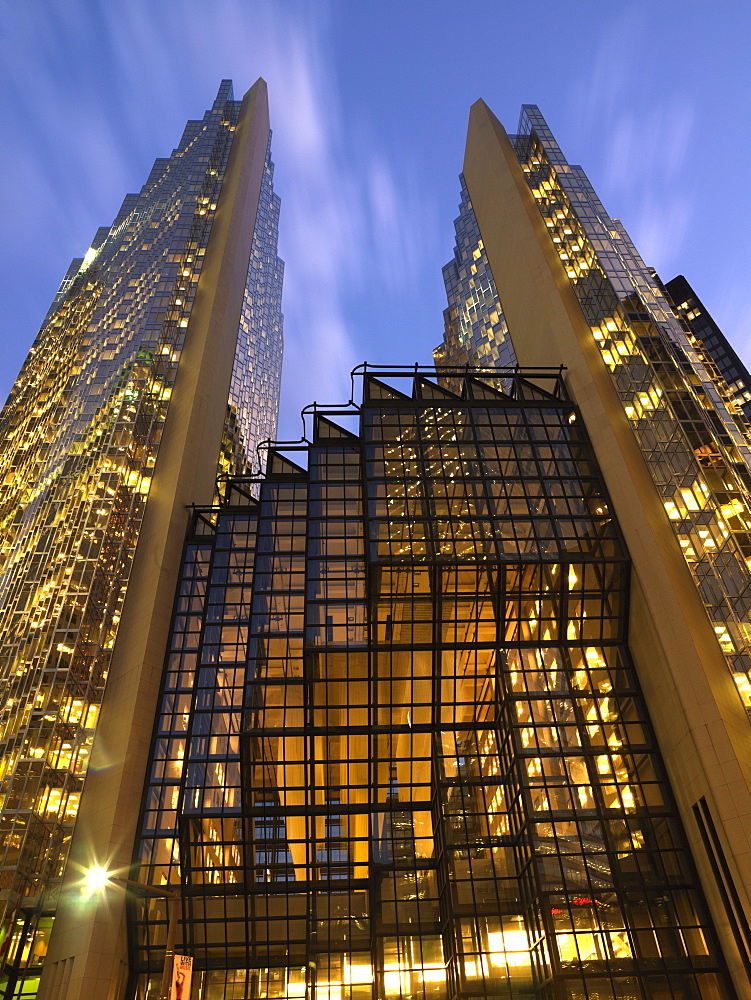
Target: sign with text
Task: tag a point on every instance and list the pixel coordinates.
(182, 973)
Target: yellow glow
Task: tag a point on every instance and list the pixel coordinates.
(732, 508)
(593, 657)
(690, 500)
(432, 973)
(88, 259)
(329, 991)
(97, 877)
(672, 511)
(394, 978)
(509, 947)
(358, 973)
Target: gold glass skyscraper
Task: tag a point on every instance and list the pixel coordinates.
(157, 366)
(672, 442)
(689, 426)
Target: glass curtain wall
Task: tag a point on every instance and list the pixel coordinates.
(475, 330)
(691, 430)
(402, 751)
(80, 435)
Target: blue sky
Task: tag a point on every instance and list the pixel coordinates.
(369, 104)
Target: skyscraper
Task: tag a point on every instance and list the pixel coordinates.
(672, 442)
(453, 702)
(157, 366)
(474, 324)
(712, 340)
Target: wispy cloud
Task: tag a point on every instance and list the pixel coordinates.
(645, 139)
(348, 218)
(323, 216)
(645, 160)
(655, 124)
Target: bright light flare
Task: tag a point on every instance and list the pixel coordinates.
(97, 878)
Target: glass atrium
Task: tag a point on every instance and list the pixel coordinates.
(401, 750)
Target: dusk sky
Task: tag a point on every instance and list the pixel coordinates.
(369, 105)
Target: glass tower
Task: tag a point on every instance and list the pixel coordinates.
(81, 434)
(402, 751)
(690, 427)
(257, 369)
(475, 330)
(665, 413)
(711, 340)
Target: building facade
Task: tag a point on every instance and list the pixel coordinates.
(402, 749)
(475, 330)
(711, 340)
(454, 701)
(671, 439)
(171, 321)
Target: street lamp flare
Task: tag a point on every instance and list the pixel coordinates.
(97, 878)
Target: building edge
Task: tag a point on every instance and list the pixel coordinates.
(88, 951)
(690, 308)
(699, 722)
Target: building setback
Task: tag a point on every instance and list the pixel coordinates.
(157, 365)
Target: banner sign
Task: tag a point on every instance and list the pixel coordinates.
(182, 973)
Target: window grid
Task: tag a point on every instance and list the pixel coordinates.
(448, 784)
